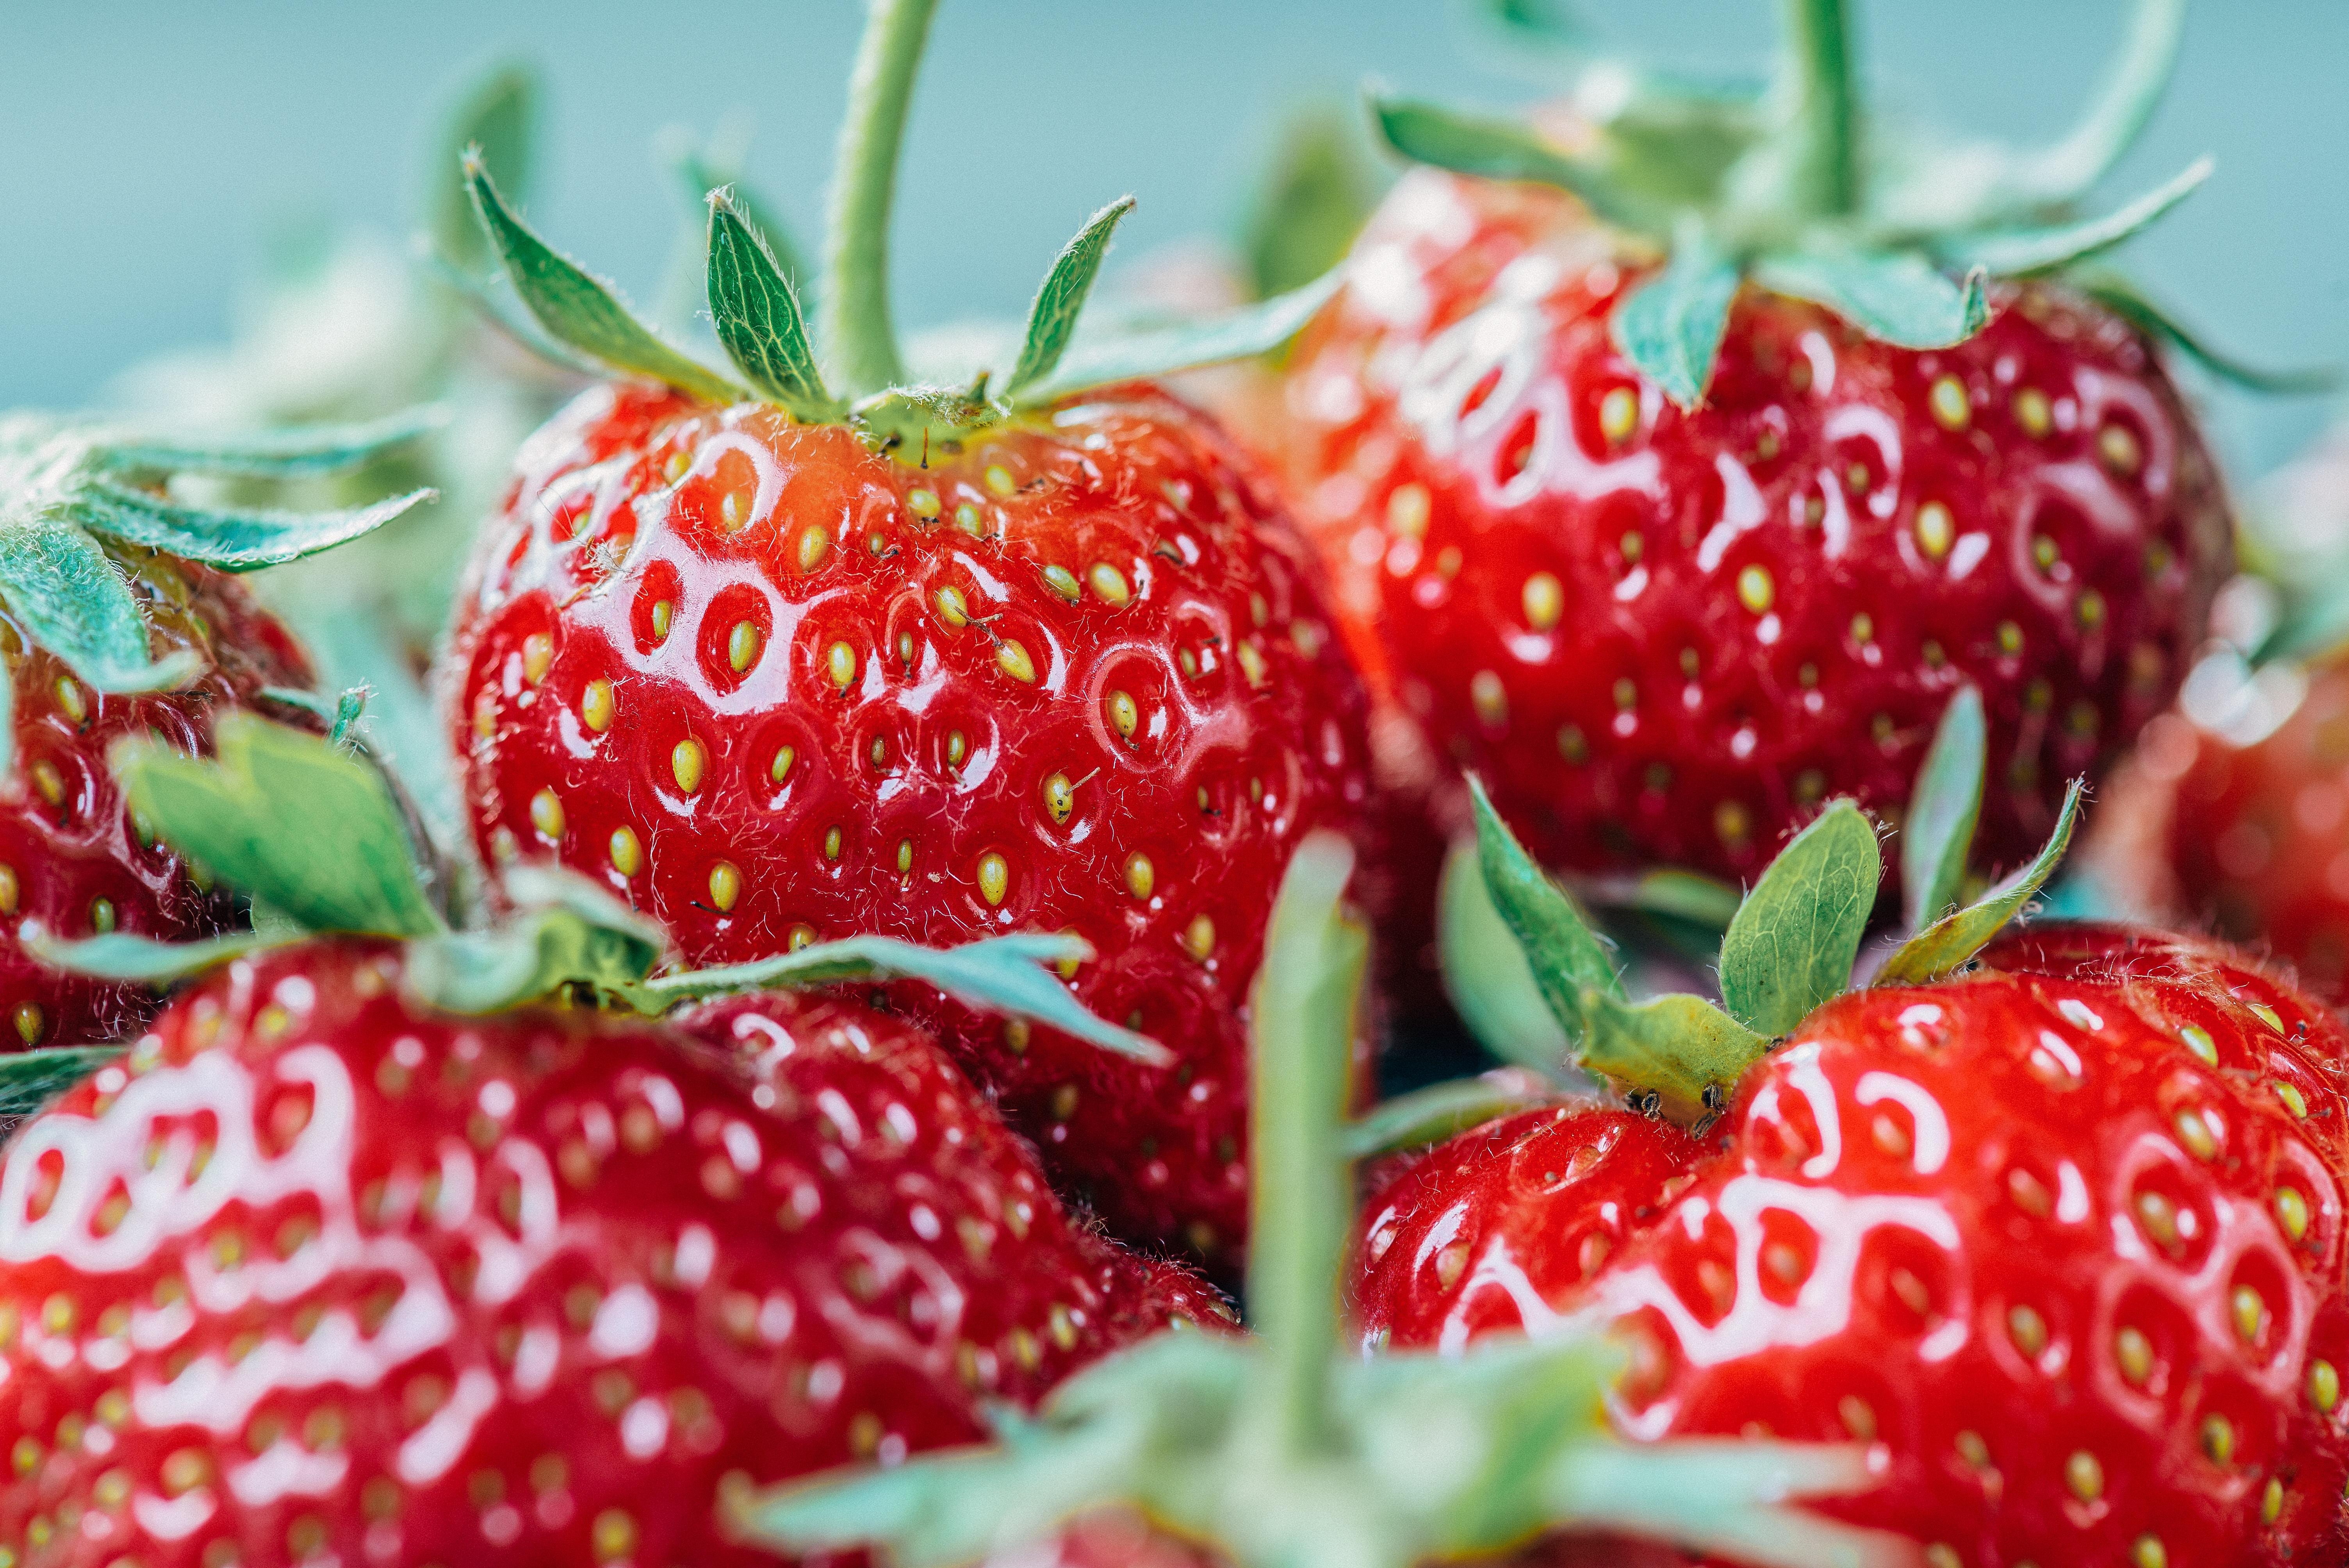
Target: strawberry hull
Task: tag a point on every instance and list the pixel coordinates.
(768, 685)
(314, 1274)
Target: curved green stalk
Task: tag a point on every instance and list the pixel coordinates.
(1826, 121)
(859, 339)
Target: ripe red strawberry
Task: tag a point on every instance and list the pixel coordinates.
(318, 1273)
(103, 635)
(1669, 554)
(946, 662)
(2063, 1239)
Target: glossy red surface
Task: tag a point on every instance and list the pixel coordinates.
(319, 1277)
(1076, 677)
(70, 857)
(2061, 1241)
(1664, 636)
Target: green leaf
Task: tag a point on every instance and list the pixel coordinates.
(1951, 942)
(1895, 296)
(1241, 334)
(703, 171)
(289, 819)
(1568, 959)
(1442, 1111)
(1053, 314)
(141, 959)
(233, 540)
(2132, 304)
(2021, 253)
(1672, 326)
(1485, 973)
(271, 454)
(1939, 827)
(29, 1081)
(537, 954)
(1001, 974)
(1314, 200)
(1681, 1048)
(2057, 175)
(493, 117)
(1505, 149)
(578, 310)
(1793, 943)
(74, 601)
(758, 317)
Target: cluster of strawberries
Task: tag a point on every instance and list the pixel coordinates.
(873, 994)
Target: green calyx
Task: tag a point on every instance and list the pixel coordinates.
(1788, 946)
(1803, 188)
(852, 370)
(1281, 1450)
(82, 503)
(316, 835)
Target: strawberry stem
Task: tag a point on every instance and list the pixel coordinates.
(858, 335)
(1824, 129)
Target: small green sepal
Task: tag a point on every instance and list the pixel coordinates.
(1052, 315)
(289, 453)
(1897, 296)
(2132, 304)
(1938, 830)
(1795, 936)
(2026, 253)
(233, 540)
(1505, 149)
(1672, 326)
(1951, 943)
(759, 319)
(132, 960)
(1442, 1111)
(1568, 958)
(1485, 971)
(66, 591)
(577, 310)
(495, 115)
(29, 1081)
(1677, 1055)
(1243, 334)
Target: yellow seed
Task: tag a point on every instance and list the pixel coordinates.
(725, 885)
(780, 768)
(957, 748)
(732, 510)
(815, 543)
(2324, 1386)
(2147, 1552)
(1408, 510)
(662, 613)
(1062, 582)
(1108, 585)
(905, 856)
(1755, 591)
(1972, 1449)
(1545, 601)
(2083, 1475)
(2292, 1101)
(1863, 628)
(613, 1538)
(953, 608)
(537, 654)
(994, 877)
(967, 518)
(1936, 529)
(2134, 1352)
(2118, 449)
(674, 468)
(1489, 697)
(1059, 797)
(2217, 1438)
(1015, 661)
(596, 706)
(922, 503)
(627, 855)
(840, 664)
(1123, 717)
(30, 1022)
(2028, 1330)
(2249, 1310)
(742, 645)
(546, 815)
(2195, 1133)
(1947, 399)
(2272, 1502)
(49, 782)
(2266, 1014)
(2090, 609)
(686, 763)
(8, 891)
(2159, 1216)
(2033, 413)
(998, 479)
(2291, 1212)
(1199, 937)
(1251, 659)
(2197, 1040)
(101, 915)
(1619, 415)
(831, 843)
(1634, 546)
(1140, 876)
(2010, 637)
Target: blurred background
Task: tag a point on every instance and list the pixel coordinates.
(160, 155)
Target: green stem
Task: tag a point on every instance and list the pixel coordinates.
(1818, 58)
(858, 336)
(1301, 1180)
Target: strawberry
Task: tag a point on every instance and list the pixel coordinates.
(938, 663)
(2052, 1236)
(369, 1250)
(1680, 503)
(117, 617)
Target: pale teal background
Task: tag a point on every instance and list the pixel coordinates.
(149, 146)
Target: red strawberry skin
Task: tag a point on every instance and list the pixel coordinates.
(1076, 676)
(70, 858)
(319, 1277)
(1664, 636)
(2081, 1285)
